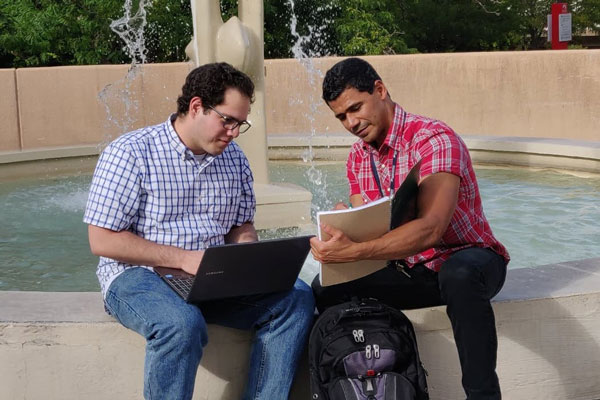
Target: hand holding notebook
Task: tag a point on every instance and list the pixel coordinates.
(368, 222)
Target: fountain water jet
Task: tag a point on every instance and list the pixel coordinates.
(240, 42)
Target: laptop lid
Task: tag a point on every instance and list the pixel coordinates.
(242, 269)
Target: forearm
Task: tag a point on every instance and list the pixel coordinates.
(438, 195)
(243, 233)
(409, 239)
(129, 248)
(436, 202)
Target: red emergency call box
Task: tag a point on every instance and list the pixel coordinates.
(560, 26)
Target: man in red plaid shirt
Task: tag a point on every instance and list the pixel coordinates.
(448, 254)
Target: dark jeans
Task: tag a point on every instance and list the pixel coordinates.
(466, 283)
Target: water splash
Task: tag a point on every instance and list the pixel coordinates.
(304, 53)
(120, 105)
(130, 29)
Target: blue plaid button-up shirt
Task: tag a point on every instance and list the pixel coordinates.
(149, 183)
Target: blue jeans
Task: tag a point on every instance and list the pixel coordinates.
(176, 333)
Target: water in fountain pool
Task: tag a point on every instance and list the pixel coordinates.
(542, 217)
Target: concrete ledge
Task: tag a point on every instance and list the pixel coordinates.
(331, 147)
(545, 146)
(48, 153)
(568, 154)
(63, 345)
(57, 345)
(577, 155)
(534, 152)
(548, 322)
(281, 205)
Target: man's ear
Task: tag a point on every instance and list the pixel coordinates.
(195, 106)
(380, 89)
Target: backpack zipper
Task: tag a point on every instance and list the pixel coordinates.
(359, 335)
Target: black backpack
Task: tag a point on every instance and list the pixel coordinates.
(365, 350)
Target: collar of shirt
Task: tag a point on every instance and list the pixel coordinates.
(173, 137)
(175, 142)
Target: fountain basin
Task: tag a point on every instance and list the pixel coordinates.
(520, 203)
(63, 345)
(55, 345)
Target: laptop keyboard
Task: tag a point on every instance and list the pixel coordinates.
(183, 286)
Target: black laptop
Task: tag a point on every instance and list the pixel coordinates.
(241, 269)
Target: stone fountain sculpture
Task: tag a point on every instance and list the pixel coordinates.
(240, 42)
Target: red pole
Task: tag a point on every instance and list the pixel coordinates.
(557, 9)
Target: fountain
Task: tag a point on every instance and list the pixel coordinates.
(239, 42)
(62, 345)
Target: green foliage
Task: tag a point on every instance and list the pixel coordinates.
(312, 29)
(59, 32)
(456, 25)
(370, 27)
(586, 15)
(529, 18)
(169, 30)
(67, 32)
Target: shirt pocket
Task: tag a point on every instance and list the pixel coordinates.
(221, 203)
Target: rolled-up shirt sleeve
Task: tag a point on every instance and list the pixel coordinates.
(442, 152)
(353, 183)
(114, 194)
(247, 206)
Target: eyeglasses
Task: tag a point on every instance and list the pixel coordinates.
(231, 123)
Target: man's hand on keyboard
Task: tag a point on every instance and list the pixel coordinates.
(192, 261)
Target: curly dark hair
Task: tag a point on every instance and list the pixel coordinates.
(209, 82)
(349, 73)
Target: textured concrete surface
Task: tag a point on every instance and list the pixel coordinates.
(63, 345)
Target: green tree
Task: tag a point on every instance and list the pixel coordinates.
(67, 32)
(370, 27)
(531, 18)
(58, 32)
(586, 15)
(532, 21)
(457, 25)
(169, 30)
(307, 23)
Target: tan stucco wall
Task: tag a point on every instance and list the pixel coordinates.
(63, 106)
(58, 106)
(9, 128)
(552, 94)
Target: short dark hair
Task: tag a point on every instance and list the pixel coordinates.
(209, 82)
(349, 73)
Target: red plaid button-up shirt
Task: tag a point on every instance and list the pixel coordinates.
(441, 150)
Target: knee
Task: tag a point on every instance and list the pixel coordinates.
(325, 292)
(458, 280)
(301, 302)
(185, 328)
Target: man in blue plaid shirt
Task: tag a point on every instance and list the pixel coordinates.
(159, 197)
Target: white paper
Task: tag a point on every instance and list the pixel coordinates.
(564, 27)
